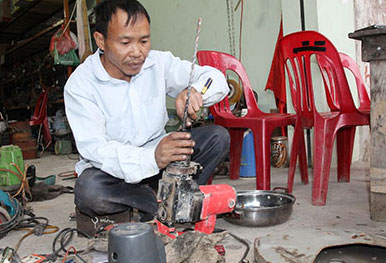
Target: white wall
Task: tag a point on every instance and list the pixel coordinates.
(173, 25)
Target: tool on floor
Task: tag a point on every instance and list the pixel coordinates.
(9, 255)
(135, 242)
(181, 199)
(9, 176)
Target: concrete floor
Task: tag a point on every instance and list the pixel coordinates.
(347, 211)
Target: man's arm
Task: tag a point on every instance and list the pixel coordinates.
(88, 125)
(177, 74)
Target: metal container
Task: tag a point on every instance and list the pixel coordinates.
(259, 208)
(279, 151)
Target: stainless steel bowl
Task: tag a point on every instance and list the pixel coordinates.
(261, 208)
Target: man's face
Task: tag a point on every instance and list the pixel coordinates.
(126, 45)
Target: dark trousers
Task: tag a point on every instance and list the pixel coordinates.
(99, 193)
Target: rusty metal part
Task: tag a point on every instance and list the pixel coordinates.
(179, 195)
(235, 91)
(176, 168)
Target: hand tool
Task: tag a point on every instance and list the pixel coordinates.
(181, 199)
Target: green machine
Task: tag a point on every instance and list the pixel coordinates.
(10, 154)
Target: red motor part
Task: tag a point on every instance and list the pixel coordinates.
(182, 200)
(219, 199)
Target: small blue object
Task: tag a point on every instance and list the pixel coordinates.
(5, 199)
(248, 165)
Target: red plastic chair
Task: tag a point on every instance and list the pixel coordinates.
(364, 100)
(262, 124)
(297, 50)
(40, 117)
(345, 142)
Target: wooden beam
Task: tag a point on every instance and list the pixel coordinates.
(66, 12)
(26, 41)
(86, 31)
(19, 14)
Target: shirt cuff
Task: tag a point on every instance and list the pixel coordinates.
(148, 165)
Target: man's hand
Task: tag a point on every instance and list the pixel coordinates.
(195, 103)
(174, 147)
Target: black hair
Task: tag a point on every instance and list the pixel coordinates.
(107, 8)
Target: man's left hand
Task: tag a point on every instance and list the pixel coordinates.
(195, 103)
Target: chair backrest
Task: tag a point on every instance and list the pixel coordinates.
(351, 65)
(297, 50)
(40, 112)
(224, 62)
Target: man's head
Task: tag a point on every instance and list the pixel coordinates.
(123, 33)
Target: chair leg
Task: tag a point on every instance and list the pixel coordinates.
(262, 143)
(293, 159)
(345, 144)
(297, 150)
(210, 180)
(303, 160)
(236, 146)
(47, 138)
(324, 134)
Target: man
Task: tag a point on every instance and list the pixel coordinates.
(116, 106)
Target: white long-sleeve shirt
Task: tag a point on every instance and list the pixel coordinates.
(118, 124)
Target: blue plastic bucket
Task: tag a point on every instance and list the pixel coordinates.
(248, 165)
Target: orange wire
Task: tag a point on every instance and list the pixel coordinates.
(23, 178)
(18, 176)
(24, 185)
(67, 253)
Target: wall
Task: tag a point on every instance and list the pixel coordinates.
(336, 23)
(174, 23)
(335, 20)
(367, 13)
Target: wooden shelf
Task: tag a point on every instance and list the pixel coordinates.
(19, 78)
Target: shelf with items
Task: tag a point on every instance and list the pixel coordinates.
(21, 87)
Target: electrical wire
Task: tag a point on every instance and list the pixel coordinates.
(241, 27)
(69, 20)
(15, 219)
(34, 226)
(67, 253)
(245, 254)
(64, 237)
(24, 187)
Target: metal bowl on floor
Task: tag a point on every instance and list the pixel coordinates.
(259, 208)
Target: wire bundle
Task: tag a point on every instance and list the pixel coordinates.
(7, 226)
(64, 237)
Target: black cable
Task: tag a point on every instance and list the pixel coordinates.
(65, 236)
(244, 257)
(81, 259)
(32, 221)
(15, 219)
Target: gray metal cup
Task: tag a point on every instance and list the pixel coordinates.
(133, 243)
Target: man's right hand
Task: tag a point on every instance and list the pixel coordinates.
(174, 147)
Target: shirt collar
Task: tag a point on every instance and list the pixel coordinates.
(100, 71)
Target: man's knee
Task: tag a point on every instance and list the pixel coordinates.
(221, 137)
(89, 193)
